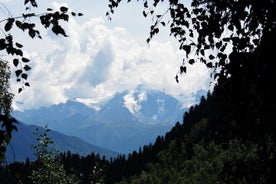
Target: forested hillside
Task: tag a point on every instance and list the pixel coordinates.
(228, 138)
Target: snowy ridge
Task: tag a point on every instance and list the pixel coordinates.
(121, 123)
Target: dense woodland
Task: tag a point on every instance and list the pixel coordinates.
(228, 138)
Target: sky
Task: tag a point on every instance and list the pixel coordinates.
(101, 57)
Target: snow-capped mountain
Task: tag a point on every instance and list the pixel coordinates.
(122, 123)
(143, 105)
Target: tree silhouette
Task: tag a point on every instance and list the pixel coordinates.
(209, 30)
(230, 136)
(51, 19)
(5, 108)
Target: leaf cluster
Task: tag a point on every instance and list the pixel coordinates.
(211, 29)
(48, 167)
(7, 122)
(229, 137)
(26, 22)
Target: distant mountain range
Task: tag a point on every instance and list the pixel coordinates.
(20, 146)
(122, 123)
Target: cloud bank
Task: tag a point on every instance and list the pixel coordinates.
(96, 61)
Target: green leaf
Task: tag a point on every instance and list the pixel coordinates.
(24, 76)
(209, 65)
(187, 48)
(32, 33)
(64, 17)
(28, 15)
(202, 52)
(18, 24)
(57, 29)
(27, 84)
(146, 4)
(27, 68)
(25, 60)
(176, 78)
(33, 2)
(3, 44)
(211, 57)
(144, 13)
(15, 62)
(18, 45)
(155, 31)
(19, 52)
(18, 72)
(9, 24)
(191, 61)
(183, 69)
(63, 9)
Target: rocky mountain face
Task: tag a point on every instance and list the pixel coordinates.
(122, 123)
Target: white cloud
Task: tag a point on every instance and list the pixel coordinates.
(97, 61)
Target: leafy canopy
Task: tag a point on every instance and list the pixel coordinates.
(209, 30)
(50, 19)
(5, 108)
(48, 167)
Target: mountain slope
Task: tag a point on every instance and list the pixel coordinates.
(122, 123)
(228, 138)
(20, 146)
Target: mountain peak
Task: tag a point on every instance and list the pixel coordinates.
(122, 122)
(150, 106)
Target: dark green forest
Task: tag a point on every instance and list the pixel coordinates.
(230, 136)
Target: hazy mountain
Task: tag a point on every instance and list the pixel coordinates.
(143, 105)
(20, 146)
(121, 123)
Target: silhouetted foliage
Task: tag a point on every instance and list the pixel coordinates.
(7, 122)
(209, 30)
(51, 19)
(230, 136)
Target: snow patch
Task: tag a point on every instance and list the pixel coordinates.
(91, 103)
(142, 97)
(132, 101)
(131, 104)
